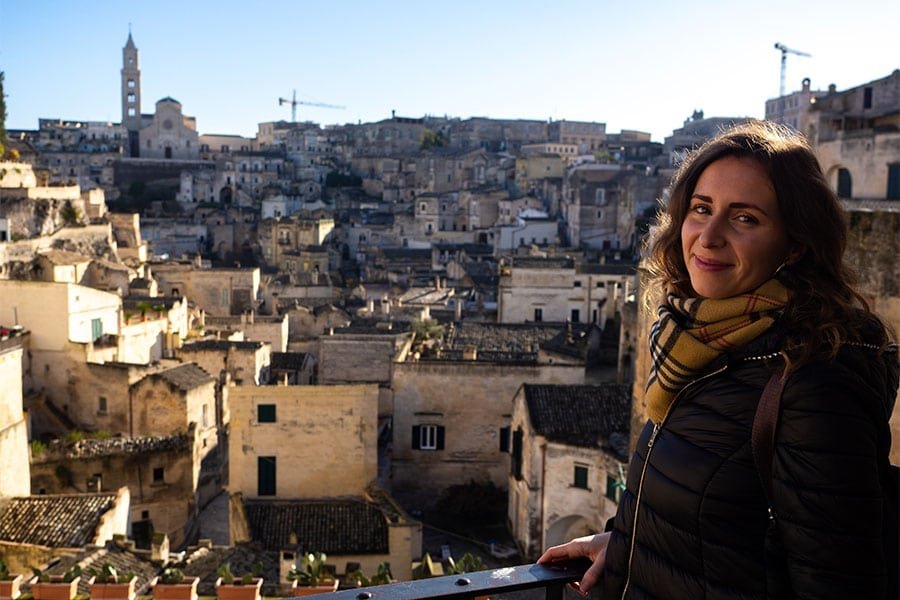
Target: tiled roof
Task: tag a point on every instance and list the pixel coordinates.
(607, 269)
(124, 561)
(536, 262)
(185, 377)
(134, 445)
(64, 257)
(287, 361)
(220, 345)
(582, 415)
(57, 521)
(503, 337)
(333, 526)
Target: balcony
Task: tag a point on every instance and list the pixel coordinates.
(503, 580)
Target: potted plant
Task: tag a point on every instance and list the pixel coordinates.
(246, 587)
(382, 576)
(9, 582)
(173, 585)
(107, 584)
(56, 587)
(313, 578)
(467, 564)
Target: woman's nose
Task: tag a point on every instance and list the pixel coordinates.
(712, 235)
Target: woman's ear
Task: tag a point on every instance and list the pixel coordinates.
(794, 254)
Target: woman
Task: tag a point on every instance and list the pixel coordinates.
(748, 256)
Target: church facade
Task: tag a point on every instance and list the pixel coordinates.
(165, 134)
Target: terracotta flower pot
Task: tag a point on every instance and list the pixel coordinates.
(310, 590)
(112, 591)
(9, 588)
(238, 591)
(186, 590)
(55, 589)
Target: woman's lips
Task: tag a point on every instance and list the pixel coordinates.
(708, 264)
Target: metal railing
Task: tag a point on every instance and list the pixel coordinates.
(471, 585)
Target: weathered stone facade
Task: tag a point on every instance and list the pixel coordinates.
(471, 401)
(320, 441)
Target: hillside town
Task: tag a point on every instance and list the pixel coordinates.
(387, 343)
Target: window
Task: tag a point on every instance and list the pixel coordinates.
(101, 405)
(265, 413)
(577, 283)
(538, 315)
(159, 475)
(265, 469)
(96, 329)
(893, 183)
(576, 315)
(600, 197)
(581, 477)
(428, 437)
(867, 97)
(204, 419)
(516, 463)
(131, 84)
(223, 297)
(504, 439)
(844, 184)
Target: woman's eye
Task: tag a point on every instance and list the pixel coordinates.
(746, 219)
(700, 209)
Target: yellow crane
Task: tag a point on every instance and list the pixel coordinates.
(294, 102)
(784, 52)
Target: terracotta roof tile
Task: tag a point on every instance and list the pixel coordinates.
(56, 521)
(333, 526)
(588, 416)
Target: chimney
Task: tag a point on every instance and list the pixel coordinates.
(159, 548)
(287, 562)
(315, 277)
(458, 306)
(370, 305)
(251, 317)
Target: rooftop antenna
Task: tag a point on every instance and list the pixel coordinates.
(294, 102)
(784, 52)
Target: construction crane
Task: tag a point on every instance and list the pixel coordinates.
(784, 52)
(294, 102)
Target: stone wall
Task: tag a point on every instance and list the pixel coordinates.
(472, 401)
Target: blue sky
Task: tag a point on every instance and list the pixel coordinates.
(634, 65)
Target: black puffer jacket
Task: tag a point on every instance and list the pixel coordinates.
(701, 517)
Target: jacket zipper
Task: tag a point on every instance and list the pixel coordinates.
(653, 434)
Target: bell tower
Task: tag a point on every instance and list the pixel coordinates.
(131, 95)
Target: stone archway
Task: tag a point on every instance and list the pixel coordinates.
(567, 528)
(225, 195)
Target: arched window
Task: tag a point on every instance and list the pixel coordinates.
(844, 184)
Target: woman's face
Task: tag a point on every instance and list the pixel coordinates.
(732, 237)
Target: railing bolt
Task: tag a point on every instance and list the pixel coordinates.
(463, 581)
(364, 595)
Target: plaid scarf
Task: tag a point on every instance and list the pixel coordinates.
(692, 332)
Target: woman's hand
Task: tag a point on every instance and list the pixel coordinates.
(592, 547)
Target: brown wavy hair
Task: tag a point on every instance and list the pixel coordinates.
(824, 311)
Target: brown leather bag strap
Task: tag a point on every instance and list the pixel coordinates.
(762, 437)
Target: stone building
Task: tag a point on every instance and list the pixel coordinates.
(558, 289)
(219, 292)
(451, 405)
(279, 238)
(856, 137)
(300, 453)
(159, 473)
(13, 424)
(796, 108)
(246, 363)
(170, 134)
(588, 136)
(568, 446)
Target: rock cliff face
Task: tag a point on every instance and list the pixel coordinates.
(872, 249)
(33, 217)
